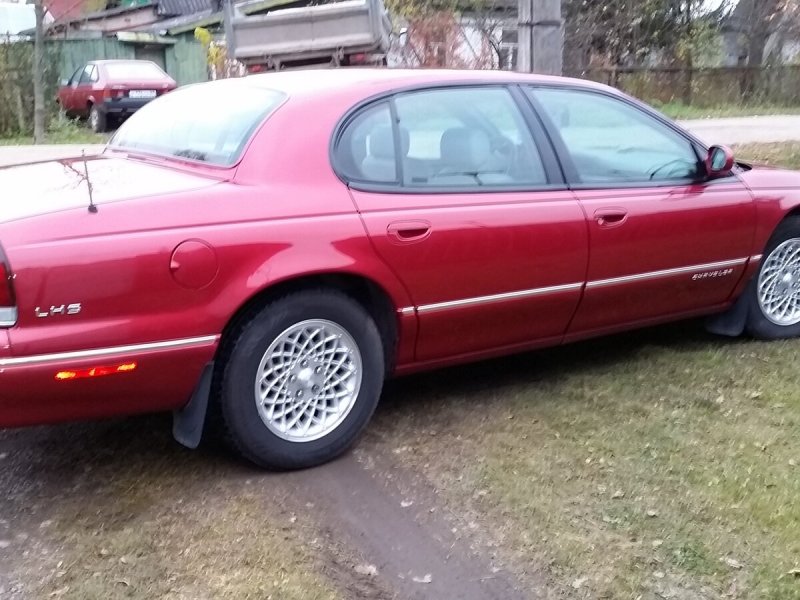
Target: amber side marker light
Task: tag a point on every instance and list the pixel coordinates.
(95, 372)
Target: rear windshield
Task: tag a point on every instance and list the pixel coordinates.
(208, 122)
(121, 71)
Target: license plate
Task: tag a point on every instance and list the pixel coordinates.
(142, 94)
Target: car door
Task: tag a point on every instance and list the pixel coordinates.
(67, 92)
(475, 218)
(663, 239)
(83, 92)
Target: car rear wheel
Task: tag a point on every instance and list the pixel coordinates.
(97, 119)
(774, 310)
(301, 380)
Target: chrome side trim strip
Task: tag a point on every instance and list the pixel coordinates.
(408, 310)
(666, 273)
(499, 297)
(756, 257)
(8, 316)
(101, 352)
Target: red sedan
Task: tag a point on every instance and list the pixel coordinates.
(262, 253)
(108, 91)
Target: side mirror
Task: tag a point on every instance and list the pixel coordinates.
(719, 161)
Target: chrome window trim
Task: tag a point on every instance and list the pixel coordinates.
(8, 316)
(665, 273)
(104, 352)
(499, 297)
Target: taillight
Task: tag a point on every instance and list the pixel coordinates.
(8, 302)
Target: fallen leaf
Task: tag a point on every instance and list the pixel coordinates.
(369, 570)
(406, 503)
(658, 575)
(617, 495)
(732, 562)
(794, 572)
(657, 543)
(579, 582)
(652, 513)
(427, 579)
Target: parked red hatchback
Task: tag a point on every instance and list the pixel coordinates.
(106, 92)
(267, 250)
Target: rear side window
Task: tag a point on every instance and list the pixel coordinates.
(122, 71)
(455, 137)
(366, 150)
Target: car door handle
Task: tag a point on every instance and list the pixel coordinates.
(409, 231)
(610, 217)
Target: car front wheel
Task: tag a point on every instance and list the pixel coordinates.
(301, 380)
(774, 310)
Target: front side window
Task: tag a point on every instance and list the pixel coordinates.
(610, 141)
(86, 76)
(76, 76)
(189, 123)
(466, 137)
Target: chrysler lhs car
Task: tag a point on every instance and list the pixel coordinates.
(260, 254)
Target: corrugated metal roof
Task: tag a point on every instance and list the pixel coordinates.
(174, 8)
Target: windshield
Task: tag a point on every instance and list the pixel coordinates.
(133, 70)
(208, 122)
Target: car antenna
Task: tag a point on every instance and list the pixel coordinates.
(92, 205)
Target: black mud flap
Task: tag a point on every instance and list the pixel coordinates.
(732, 322)
(187, 423)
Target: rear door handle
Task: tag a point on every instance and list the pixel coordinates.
(610, 217)
(408, 231)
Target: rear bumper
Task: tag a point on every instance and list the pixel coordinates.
(166, 373)
(124, 106)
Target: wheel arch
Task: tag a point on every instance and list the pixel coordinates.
(368, 293)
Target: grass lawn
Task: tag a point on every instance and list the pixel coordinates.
(785, 155)
(657, 464)
(663, 463)
(677, 110)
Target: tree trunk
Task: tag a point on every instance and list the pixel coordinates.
(38, 76)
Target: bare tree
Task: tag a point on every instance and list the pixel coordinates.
(38, 75)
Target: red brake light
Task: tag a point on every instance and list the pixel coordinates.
(8, 302)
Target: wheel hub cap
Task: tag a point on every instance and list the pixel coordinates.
(308, 380)
(779, 284)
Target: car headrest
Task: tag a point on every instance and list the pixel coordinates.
(465, 149)
(381, 142)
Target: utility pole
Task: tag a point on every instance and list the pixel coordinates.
(540, 37)
(230, 35)
(38, 75)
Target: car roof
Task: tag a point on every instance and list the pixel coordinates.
(368, 81)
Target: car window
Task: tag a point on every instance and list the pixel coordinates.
(189, 124)
(366, 151)
(88, 74)
(466, 137)
(127, 70)
(76, 76)
(610, 141)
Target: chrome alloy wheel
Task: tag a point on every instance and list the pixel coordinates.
(308, 380)
(779, 284)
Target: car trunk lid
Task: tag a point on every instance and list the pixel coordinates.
(46, 187)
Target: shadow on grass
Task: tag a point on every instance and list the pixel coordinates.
(548, 364)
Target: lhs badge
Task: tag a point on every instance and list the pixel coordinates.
(53, 311)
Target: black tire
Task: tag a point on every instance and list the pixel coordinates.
(97, 119)
(759, 324)
(242, 425)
